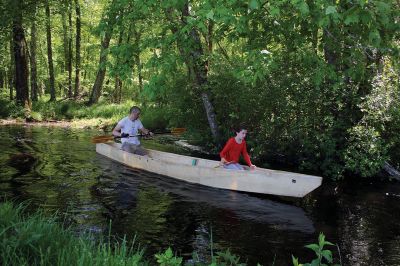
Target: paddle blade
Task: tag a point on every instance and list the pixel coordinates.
(102, 139)
(178, 130)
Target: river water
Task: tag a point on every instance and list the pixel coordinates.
(57, 169)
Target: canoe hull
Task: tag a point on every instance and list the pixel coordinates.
(207, 172)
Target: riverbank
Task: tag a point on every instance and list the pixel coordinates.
(100, 123)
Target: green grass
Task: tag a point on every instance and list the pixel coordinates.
(39, 240)
(102, 114)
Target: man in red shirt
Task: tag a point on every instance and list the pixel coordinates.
(232, 150)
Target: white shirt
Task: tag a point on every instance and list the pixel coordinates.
(132, 128)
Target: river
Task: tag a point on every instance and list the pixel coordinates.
(57, 169)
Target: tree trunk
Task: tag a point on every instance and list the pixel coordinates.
(192, 55)
(6, 74)
(20, 56)
(50, 54)
(11, 74)
(69, 63)
(329, 51)
(117, 90)
(139, 69)
(105, 43)
(33, 46)
(64, 65)
(200, 70)
(2, 79)
(118, 81)
(138, 62)
(101, 73)
(77, 49)
(393, 172)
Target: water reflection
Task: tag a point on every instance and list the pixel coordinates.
(58, 170)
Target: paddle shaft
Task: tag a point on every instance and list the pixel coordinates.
(103, 139)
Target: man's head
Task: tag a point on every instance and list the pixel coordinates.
(134, 113)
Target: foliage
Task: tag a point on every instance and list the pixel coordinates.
(39, 240)
(222, 258)
(168, 259)
(155, 118)
(370, 137)
(323, 255)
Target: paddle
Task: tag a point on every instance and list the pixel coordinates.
(104, 139)
(222, 164)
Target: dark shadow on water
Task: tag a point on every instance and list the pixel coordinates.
(247, 207)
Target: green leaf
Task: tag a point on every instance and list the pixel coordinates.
(275, 11)
(303, 7)
(329, 243)
(295, 261)
(374, 37)
(327, 254)
(210, 15)
(314, 247)
(315, 262)
(254, 4)
(383, 7)
(353, 18)
(330, 10)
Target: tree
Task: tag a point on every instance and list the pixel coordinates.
(77, 49)
(50, 53)
(33, 61)
(20, 57)
(69, 58)
(106, 27)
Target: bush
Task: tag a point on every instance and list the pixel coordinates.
(154, 118)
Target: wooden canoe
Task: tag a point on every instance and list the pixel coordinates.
(207, 172)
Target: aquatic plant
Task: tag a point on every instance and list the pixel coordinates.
(323, 255)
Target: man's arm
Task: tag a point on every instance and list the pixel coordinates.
(117, 131)
(145, 131)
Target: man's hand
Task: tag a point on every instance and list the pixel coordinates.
(124, 135)
(252, 167)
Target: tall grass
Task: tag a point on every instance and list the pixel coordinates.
(39, 240)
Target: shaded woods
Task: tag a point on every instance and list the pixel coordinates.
(317, 83)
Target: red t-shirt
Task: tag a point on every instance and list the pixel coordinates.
(232, 151)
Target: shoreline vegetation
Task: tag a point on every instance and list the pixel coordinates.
(78, 124)
(68, 113)
(36, 239)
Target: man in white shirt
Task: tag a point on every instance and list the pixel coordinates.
(128, 129)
